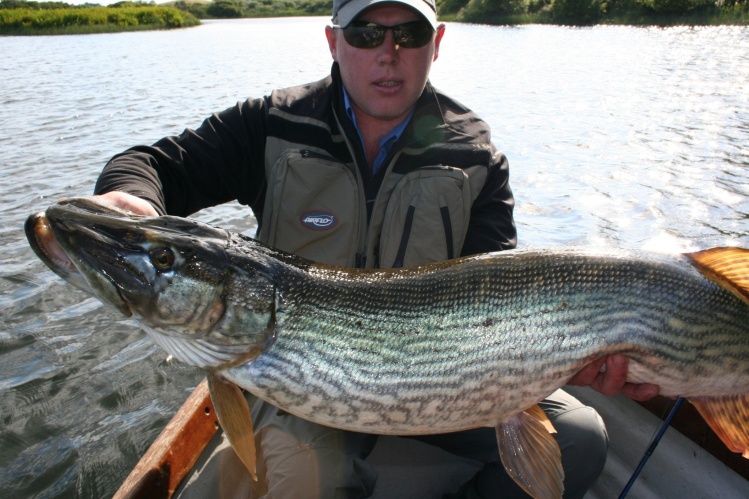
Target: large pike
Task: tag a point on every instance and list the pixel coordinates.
(466, 343)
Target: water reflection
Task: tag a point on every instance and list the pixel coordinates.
(613, 133)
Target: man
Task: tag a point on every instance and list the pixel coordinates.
(370, 167)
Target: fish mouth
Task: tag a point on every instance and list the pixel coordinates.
(65, 239)
(42, 240)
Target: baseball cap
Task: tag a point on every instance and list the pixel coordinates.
(345, 11)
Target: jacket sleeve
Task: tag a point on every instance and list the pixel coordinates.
(220, 161)
(492, 226)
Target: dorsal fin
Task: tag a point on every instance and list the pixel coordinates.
(728, 267)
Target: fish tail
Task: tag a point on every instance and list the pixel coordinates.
(728, 415)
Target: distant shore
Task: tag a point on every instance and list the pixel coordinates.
(28, 17)
(92, 19)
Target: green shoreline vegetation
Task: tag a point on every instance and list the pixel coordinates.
(510, 12)
(24, 17)
(58, 18)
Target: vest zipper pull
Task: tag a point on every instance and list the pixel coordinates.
(361, 261)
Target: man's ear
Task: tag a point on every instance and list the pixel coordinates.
(437, 39)
(332, 42)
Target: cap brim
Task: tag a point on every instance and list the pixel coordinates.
(348, 12)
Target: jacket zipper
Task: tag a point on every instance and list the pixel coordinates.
(407, 225)
(448, 231)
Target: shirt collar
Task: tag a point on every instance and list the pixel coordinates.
(387, 142)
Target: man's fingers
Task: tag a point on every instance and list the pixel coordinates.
(612, 381)
(608, 375)
(128, 202)
(641, 392)
(588, 374)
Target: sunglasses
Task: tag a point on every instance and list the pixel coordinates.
(366, 35)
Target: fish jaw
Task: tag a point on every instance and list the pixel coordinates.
(45, 246)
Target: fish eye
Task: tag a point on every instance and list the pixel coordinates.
(162, 258)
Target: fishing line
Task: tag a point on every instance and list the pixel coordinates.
(652, 446)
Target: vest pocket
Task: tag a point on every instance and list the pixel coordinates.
(313, 208)
(426, 217)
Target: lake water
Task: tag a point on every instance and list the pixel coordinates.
(620, 136)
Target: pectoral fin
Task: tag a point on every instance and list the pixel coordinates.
(530, 453)
(729, 418)
(234, 417)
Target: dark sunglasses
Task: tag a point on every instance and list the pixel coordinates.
(366, 35)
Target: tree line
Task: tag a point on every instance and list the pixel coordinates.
(570, 12)
(589, 12)
(511, 12)
(232, 9)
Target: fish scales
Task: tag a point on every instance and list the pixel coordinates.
(467, 344)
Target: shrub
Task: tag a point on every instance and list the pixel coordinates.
(577, 12)
(493, 10)
(450, 6)
(675, 6)
(225, 9)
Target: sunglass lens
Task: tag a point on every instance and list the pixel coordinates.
(365, 35)
(413, 35)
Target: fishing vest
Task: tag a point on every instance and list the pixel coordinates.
(315, 203)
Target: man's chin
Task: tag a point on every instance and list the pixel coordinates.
(389, 111)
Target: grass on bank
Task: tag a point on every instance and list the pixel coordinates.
(591, 12)
(86, 20)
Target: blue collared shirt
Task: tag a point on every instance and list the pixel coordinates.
(386, 144)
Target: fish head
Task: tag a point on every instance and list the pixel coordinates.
(170, 274)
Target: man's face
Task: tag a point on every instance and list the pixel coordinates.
(384, 82)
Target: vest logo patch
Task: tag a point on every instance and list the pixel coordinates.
(318, 220)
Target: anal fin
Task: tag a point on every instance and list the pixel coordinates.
(728, 416)
(234, 417)
(530, 454)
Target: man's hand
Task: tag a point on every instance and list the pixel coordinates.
(127, 202)
(613, 380)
